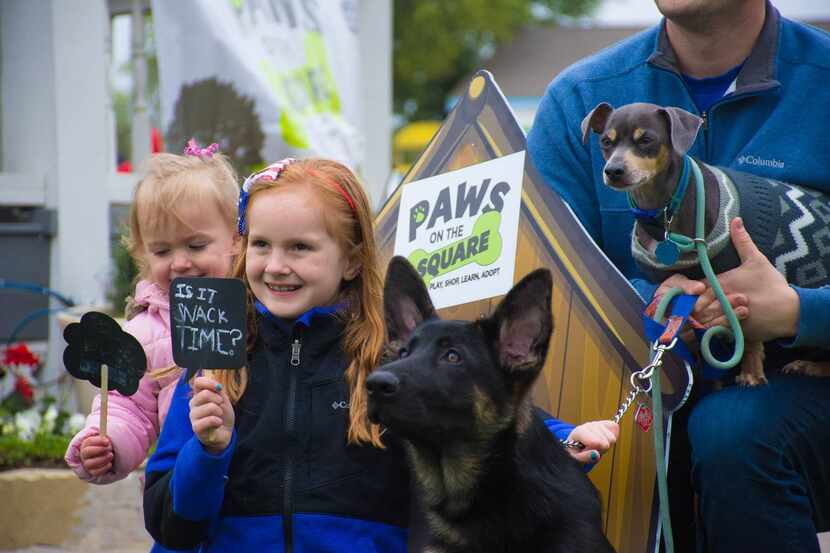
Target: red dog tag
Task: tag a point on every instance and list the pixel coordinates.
(644, 417)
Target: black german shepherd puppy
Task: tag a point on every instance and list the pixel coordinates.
(489, 477)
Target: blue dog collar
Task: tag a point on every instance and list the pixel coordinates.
(668, 211)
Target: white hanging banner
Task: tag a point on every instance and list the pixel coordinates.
(263, 78)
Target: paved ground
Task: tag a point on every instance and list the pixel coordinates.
(111, 521)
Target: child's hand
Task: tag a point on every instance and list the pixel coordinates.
(211, 414)
(598, 437)
(96, 455)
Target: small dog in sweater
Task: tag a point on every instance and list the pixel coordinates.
(645, 147)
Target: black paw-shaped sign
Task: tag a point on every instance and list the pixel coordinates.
(98, 340)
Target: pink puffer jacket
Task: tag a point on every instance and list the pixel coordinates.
(134, 422)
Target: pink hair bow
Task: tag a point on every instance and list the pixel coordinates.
(193, 149)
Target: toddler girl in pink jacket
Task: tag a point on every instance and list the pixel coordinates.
(182, 223)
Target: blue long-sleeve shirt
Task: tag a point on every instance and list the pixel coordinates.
(771, 124)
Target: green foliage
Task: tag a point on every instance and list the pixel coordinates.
(124, 276)
(46, 450)
(123, 123)
(437, 42)
(13, 403)
(37, 436)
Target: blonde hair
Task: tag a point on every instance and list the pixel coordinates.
(353, 230)
(170, 181)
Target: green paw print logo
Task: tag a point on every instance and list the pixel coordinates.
(419, 214)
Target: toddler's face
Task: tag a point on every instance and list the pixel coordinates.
(201, 244)
(292, 263)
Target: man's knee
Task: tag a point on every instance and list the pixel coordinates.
(728, 429)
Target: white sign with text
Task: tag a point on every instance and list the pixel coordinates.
(459, 230)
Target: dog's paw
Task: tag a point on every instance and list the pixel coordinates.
(795, 367)
(808, 368)
(750, 379)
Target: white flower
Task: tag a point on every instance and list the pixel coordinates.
(49, 417)
(27, 423)
(75, 423)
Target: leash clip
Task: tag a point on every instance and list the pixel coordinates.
(643, 376)
(661, 348)
(572, 444)
(667, 219)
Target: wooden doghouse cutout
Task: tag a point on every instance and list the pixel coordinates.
(597, 341)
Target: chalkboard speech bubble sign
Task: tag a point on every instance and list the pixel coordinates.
(98, 340)
(207, 323)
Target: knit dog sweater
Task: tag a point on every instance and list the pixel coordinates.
(789, 224)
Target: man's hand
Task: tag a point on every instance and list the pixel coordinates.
(211, 414)
(773, 306)
(703, 313)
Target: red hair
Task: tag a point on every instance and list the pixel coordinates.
(348, 220)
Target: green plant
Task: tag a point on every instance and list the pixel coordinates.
(38, 436)
(45, 450)
(437, 43)
(124, 275)
(33, 432)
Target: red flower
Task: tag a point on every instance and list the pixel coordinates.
(20, 355)
(24, 388)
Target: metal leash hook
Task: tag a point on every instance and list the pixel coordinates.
(640, 384)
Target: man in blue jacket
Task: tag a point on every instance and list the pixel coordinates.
(761, 455)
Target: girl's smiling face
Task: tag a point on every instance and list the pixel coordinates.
(198, 243)
(292, 263)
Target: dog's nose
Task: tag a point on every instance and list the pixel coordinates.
(614, 172)
(383, 384)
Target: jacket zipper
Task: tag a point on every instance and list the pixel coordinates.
(290, 420)
(295, 352)
(706, 115)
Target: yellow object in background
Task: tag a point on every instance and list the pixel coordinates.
(409, 141)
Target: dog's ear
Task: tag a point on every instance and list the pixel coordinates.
(683, 128)
(595, 121)
(405, 300)
(522, 324)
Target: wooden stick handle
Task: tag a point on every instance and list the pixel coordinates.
(104, 398)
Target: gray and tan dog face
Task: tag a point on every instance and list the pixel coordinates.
(638, 141)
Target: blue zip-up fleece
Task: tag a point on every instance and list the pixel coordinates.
(288, 481)
(755, 128)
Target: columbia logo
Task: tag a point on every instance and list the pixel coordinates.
(760, 162)
(340, 405)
